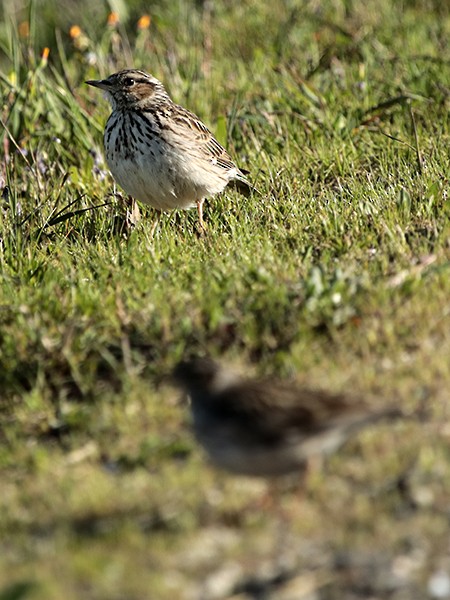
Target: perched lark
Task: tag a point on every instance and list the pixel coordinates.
(159, 152)
(266, 427)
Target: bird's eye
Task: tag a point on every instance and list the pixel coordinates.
(128, 81)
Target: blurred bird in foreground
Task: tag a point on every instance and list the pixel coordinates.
(267, 427)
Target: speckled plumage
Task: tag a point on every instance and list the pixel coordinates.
(267, 427)
(159, 152)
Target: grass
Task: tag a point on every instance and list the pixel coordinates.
(337, 272)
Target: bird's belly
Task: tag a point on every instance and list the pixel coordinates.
(256, 460)
(239, 451)
(261, 463)
(161, 178)
(150, 181)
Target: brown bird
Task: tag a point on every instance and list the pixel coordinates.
(267, 427)
(159, 152)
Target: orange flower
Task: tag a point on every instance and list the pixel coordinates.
(44, 56)
(75, 32)
(144, 22)
(113, 19)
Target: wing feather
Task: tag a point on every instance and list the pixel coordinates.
(204, 139)
(298, 409)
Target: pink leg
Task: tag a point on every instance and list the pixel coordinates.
(200, 215)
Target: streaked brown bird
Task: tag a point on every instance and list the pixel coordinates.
(267, 427)
(159, 152)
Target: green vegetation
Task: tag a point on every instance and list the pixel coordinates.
(338, 272)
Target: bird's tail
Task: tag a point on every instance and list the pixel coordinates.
(242, 185)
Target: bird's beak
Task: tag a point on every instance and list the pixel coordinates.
(103, 84)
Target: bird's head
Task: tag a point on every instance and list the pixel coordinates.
(131, 89)
(196, 374)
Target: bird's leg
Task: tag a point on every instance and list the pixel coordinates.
(155, 222)
(312, 469)
(133, 211)
(283, 526)
(134, 216)
(200, 215)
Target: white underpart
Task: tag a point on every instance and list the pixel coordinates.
(265, 460)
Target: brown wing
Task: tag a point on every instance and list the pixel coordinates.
(271, 408)
(205, 141)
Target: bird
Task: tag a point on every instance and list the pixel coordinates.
(267, 427)
(159, 152)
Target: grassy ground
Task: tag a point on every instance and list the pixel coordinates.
(337, 273)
